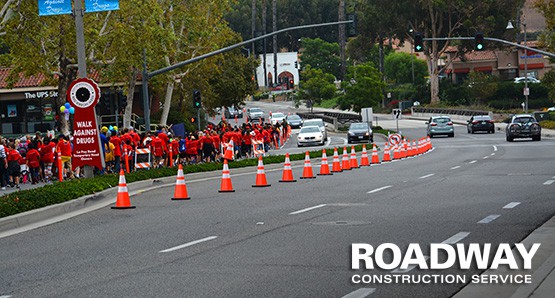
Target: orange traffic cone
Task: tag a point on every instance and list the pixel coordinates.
(307, 170)
(287, 172)
(386, 155)
(404, 149)
(228, 155)
(180, 192)
(364, 157)
(336, 166)
(345, 163)
(429, 143)
(414, 148)
(122, 201)
(353, 161)
(375, 157)
(324, 168)
(226, 179)
(260, 175)
(396, 152)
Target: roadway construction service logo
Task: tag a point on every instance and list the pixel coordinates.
(397, 263)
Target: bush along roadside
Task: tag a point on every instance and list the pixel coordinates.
(59, 192)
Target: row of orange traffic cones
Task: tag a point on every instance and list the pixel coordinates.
(347, 163)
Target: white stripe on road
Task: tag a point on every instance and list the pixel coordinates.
(485, 157)
(489, 219)
(380, 189)
(511, 205)
(307, 209)
(492, 154)
(494, 148)
(548, 182)
(426, 176)
(360, 293)
(190, 244)
(456, 238)
(6, 296)
(455, 167)
(473, 161)
(409, 268)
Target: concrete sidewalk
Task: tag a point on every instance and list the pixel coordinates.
(542, 272)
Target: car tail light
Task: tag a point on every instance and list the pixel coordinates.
(433, 124)
(450, 123)
(474, 122)
(513, 127)
(490, 121)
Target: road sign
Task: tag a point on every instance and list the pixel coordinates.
(394, 139)
(397, 114)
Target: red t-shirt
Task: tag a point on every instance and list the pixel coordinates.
(65, 148)
(33, 158)
(117, 145)
(13, 155)
(157, 146)
(47, 152)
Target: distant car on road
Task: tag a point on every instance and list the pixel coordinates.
(317, 122)
(255, 115)
(360, 132)
(310, 135)
(480, 123)
(523, 126)
(440, 125)
(276, 118)
(295, 121)
(523, 79)
(231, 112)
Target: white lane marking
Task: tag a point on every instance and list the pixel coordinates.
(456, 238)
(6, 296)
(307, 209)
(473, 161)
(553, 177)
(548, 182)
(190, 244)
(494, 148)
(492, 154)
(489, 219)
(380, 189)
(511, 205)
(409, 268)
(360, 293)
(485, 157)
(455, 167)
(426, 176)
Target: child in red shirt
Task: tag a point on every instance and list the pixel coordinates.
(33, 162)
(13, 158)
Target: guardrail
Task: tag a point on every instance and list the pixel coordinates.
(454, 113)
(334, 118)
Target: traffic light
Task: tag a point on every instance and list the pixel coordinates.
(418, 42)
(296, 64)
(352, 29)
(291, 84)
(479, 42)
(196, 99)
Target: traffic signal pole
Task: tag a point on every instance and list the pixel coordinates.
(147, 75)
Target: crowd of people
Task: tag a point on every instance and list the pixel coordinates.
(33, 159)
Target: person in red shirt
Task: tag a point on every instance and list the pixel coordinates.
(116, 140)
(247, 143)
(47, 157)
(158, 151)
(192, 150)
(64, 146)
(174, 144)
(217, 142)
(33, 162)
(13, 158)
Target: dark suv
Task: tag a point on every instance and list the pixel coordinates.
(480, 123)
(523, 126)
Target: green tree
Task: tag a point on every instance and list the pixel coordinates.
(399, 69)
(320, 54)
(363, 87)
(315, 86)
(481, 86)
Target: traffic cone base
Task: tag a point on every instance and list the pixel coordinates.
(307, 170)
(122, 200)
(180, 192)
(226, 179)
(260, 175)
(287, 171)
(324, 167)
(336, 165)
(288, 180)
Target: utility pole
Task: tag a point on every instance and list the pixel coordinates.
(264, 10)
(274, 43)
(342, 37)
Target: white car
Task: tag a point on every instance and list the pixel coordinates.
(310, 135)
(317, 122)
(277, 118)
(530, 80)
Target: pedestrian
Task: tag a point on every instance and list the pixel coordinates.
(13, 158)
(65, 151)
(33, 162)
(47, 157)
(3, 163)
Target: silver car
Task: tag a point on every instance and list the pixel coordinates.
(317, 122)
(440, 125)
(310, 135)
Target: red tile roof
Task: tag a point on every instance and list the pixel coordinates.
(33, 81)
(477, 55)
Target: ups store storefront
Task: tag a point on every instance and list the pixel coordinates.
(27, 111)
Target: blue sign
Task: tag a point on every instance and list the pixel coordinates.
(54, 7)
(101, 5)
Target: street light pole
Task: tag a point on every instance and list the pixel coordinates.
(526, 90)
(412, 55)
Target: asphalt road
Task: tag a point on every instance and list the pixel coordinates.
(294, 239)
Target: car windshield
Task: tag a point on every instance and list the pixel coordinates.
(318, 122)
(441, 120)
(523, 120)
(309, 129)
(359, 126)
(255, 110)
(482, 118)
(277, 115)
(293, 117)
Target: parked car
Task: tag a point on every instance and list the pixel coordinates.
(523, 126)
(317, 122)
(530, 80)
(255, 115)
(310, 135)
(360, 132)
(480, 123)
(295, 121)
(440, 125)
(276, 118)
(231, 112)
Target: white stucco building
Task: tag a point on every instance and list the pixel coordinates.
(285, 68)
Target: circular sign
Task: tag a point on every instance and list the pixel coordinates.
(83, 93)
(394, 139)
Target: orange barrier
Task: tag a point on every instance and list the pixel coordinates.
(396, 152)
(386, 155)
(404, 149)
(171, 155)
(226, 186)
(345, 163)
(307, 170)
(180, 192)
(375, 157)
(126, 154)
(353, 162)
(60, 165)
(260, 175)
(336, 165)
(324, 167)
(287, 171)
(122, 200)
